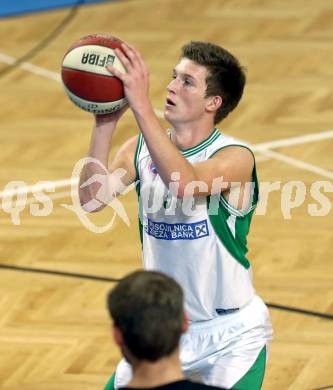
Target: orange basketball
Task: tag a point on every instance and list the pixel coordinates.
(86, 80)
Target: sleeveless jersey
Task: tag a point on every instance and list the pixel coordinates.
(199, 241)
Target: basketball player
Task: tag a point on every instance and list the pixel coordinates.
(148, 319)
(197, 192)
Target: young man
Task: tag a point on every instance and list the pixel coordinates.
(197, 192)
(148, 319)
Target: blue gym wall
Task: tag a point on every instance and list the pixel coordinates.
(18, 7)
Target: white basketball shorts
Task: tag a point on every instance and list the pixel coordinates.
(223, 351)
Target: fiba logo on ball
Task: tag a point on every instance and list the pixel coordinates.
(86, 81)
(97, 59)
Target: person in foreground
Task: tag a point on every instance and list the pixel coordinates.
(197, 190)
(146, 308)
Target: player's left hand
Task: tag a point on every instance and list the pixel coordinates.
(136, 78)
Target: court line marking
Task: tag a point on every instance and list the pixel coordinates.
(296, 163)
(73, 181)
(31, 68)
(267, 145)
(8, 204)
(262, 158)
(263, 148)
(302, 139)
(46, 185)
(291, 309)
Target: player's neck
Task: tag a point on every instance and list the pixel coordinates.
(187, 136)
(152, 374)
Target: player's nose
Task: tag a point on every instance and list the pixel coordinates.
(172, 86)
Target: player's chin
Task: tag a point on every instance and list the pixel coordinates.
(167, 115)
(170, 116)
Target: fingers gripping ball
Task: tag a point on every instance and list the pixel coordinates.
(86, 80)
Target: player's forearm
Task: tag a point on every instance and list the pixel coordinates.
(100, 145)
(164, 153)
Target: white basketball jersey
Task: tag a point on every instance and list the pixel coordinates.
(200, 241)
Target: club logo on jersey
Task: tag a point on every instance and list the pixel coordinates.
(152, 168)
(177, 231)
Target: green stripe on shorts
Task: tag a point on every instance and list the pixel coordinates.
(253, 379)
(110, 384)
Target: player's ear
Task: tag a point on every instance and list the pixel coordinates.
(213, 103)
(185, 322)
(117, 335)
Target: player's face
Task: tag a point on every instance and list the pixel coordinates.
(186, 100)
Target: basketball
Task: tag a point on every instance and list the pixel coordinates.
(86, 80)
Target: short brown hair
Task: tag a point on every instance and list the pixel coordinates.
(147, 307)
(226, 77)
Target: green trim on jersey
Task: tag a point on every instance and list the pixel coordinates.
(136, 156)
(236, 245)
(203, 145)
(255, 375)
(255, 199)
(140, 223)
(137, 179)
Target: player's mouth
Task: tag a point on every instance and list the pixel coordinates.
(170, 103)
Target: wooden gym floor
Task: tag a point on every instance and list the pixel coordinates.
(54, 330)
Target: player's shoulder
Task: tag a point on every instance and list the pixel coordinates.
(231, 151)
(227, 140)
(235, 153)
